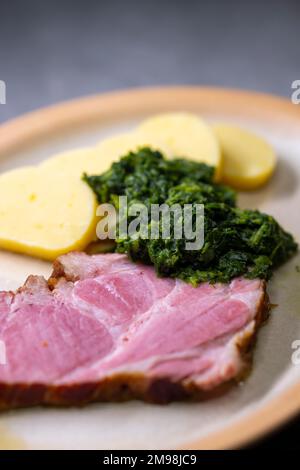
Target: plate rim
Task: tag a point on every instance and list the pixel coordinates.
(40, 123)
(31, 127)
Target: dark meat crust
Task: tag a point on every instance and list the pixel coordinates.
(57, 273)
(123, 387)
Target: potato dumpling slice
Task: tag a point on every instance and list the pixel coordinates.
(97, 160)
(187, 136)
(76, 162)
(44, 212)
(248, 160)
(111, 149)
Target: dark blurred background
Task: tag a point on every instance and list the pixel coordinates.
(60, 49)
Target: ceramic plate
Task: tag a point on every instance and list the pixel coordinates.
(271, 394)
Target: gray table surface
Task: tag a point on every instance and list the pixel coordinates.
(60, 49)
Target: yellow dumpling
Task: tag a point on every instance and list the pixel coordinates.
(98, 159)
(248, 160)
(44, 213)
(78, 161)
(187, 136)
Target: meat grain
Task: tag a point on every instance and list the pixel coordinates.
(103, 328)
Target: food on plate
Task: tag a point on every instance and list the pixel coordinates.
(236, 242)
(241, 158)
(248, 160)
(187, 136)
(104, 328)
(45, 214)
(154, 319)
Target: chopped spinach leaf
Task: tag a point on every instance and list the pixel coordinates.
(237, 242)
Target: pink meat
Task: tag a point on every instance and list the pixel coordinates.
(102, 322)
